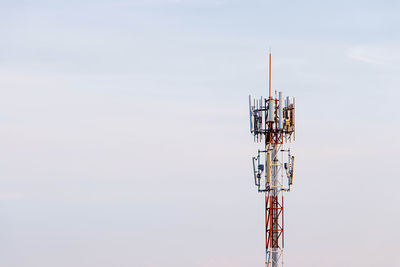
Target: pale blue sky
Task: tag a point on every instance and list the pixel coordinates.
(124, 134)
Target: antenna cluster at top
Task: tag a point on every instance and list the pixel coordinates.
(273, 118)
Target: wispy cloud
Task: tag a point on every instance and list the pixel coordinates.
(377, 54)
(362, 54)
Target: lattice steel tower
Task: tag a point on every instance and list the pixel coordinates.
(272, 123)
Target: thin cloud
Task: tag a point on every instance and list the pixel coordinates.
(378, 54)
(362, 54)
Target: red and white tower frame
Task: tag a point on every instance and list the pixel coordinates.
(272, 123)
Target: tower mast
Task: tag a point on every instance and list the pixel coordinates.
(272, 123)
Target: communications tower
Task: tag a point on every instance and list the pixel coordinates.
(272, 123)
